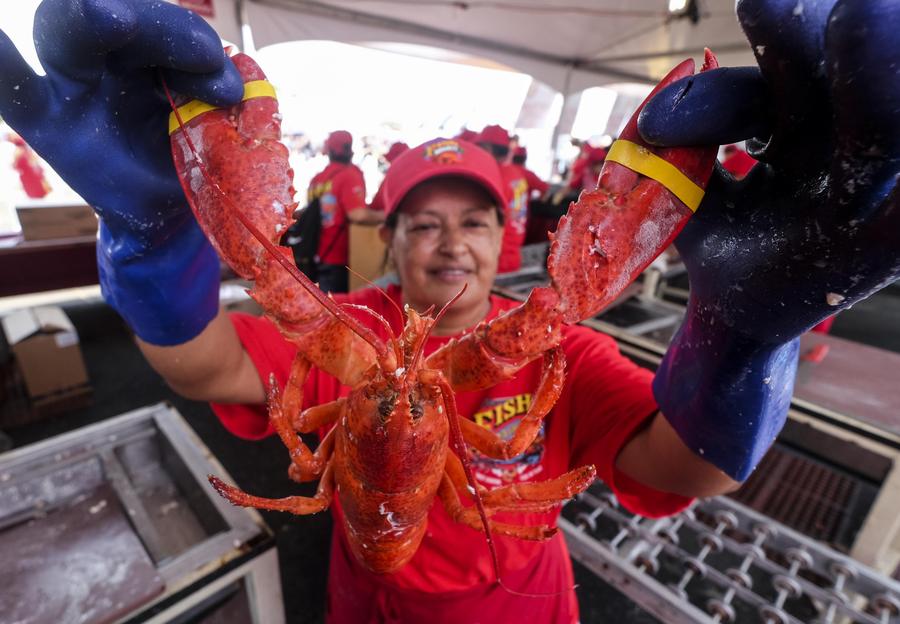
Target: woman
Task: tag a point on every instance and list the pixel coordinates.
(444, 230)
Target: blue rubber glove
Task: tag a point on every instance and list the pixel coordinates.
(100, 120)
(810, 231)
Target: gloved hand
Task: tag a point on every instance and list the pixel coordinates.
(100, 120)
(814, 228)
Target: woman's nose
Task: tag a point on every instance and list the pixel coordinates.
(452, 240)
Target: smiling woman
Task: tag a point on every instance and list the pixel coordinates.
(446, 233)
(444, 230)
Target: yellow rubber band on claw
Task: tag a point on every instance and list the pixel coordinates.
(252, 89)
(645, 162)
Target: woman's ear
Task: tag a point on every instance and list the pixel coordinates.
(385, 234)
(498, 233)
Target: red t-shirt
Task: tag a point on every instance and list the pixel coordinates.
(606, 398)
(516, 215)
(340, 188)
(30, 174)
(532, 180)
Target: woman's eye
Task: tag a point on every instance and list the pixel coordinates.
(476, 224)
(422, 227)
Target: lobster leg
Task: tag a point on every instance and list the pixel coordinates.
(549, 388)
(305, 465)
(552, 491)
(319, 416)
(299, 505)
(469, 516)
(301, 472)
(315, 417)
(292, 400)
(525, 497)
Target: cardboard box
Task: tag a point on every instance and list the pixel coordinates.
(366, 254)
(45, 346)
(45, 221)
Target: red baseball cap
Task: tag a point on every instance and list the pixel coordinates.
(495, 135)
(338, 141)
(439, 158)
(521, 152)
(395, 150)
(467, 135)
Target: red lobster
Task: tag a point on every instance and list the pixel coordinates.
(388, 448)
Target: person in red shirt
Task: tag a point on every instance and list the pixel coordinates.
(444, 228)
(594, 159)
(377, 203)
(737, 162)
(541, 217)
(467, 135)
(576, 171)
(31, 174)
(535, 184)
(341, 191)
(495, 139)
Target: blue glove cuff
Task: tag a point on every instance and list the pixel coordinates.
(725, 394)
(166, 290)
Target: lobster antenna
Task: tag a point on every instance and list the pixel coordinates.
(370, 312)
(329, 304)
(462, 452)
(459, 446)
(397, 351)
(383, 294)
(437, 318)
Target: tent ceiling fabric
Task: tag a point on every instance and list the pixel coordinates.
(568, 44)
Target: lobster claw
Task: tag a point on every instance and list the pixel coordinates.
(643, 199)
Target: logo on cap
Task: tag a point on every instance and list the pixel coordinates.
(445, 152)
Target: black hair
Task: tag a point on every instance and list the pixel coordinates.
(518, 160)
(497, 151)
(343, 155)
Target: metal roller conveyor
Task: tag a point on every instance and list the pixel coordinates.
(719, 562)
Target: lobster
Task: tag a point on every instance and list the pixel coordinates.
(396, 441)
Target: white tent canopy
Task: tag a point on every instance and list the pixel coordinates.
(569, 45)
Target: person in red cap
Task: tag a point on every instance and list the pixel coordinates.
(736, 161)
(585, 170)
(495, 139)
(539, 221)
(377, 203)
(31, 174)
(467, 135)
(445, 203)
(535, 184)
(341, 192)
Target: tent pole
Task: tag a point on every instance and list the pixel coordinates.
(566, 117)
(247, 46)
